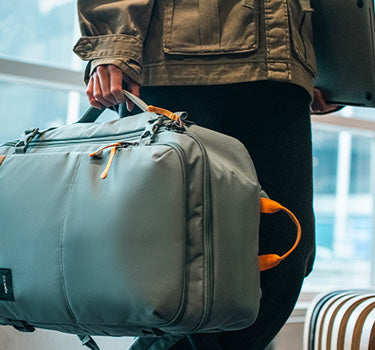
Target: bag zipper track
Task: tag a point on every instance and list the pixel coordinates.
(68, 141)
(207, 239)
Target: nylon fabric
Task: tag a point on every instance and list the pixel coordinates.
(149, 250)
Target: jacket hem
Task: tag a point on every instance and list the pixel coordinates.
(230, 73)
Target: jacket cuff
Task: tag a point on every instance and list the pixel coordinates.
(128, 66)
(112, 45)
(123, 50)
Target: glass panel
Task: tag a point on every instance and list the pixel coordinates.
(343, 205)
(360, 165)
(325, 160)
(40, 108)
(364, 113)
(29, 106)
(349, 268)
(40, 31)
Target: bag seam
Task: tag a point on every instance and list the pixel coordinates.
(61, 241)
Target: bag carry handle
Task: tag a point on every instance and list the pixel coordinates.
(268, 261)
(92, 114)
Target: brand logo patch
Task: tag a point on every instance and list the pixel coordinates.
(6, 286)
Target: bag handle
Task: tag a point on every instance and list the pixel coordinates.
(92, 114)
(269, 206)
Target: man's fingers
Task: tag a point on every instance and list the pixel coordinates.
(97, 90)
(104, 79)
(116, 84)
(105, 87)
(319, 105)
(90, 94)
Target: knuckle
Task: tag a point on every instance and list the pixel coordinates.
(107, 95)
(100, 69)
(117, 91)
(89, 92)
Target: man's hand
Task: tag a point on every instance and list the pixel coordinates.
(105, 87)
(319, 105)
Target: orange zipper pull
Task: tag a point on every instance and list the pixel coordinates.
(114, 148)
(111, 156)
(99, 152)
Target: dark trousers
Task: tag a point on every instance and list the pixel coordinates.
(272, 119)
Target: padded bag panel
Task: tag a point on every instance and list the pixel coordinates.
(31, 234)
(125, 239)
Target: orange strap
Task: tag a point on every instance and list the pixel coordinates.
(165, 112)
(268, 261)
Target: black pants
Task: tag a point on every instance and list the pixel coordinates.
(272, 119)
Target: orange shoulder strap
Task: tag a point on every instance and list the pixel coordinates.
(268, 261)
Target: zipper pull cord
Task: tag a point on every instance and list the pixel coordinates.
(114, 148)
(174, 117)
(99, 152)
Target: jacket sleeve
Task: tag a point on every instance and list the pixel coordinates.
(113, 32)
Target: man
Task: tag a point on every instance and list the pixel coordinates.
(241, 67)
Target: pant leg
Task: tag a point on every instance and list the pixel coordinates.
(272, 120)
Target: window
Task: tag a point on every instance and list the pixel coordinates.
(344, 201)
(39, 31)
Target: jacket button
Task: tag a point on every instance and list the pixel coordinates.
(88, 47)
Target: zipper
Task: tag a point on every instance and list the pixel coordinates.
(208, 239)
(181, 154)
(68, 141)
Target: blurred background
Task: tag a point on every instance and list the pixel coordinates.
(41, 85)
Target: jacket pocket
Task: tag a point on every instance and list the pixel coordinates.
(207, 27)
(301, 33)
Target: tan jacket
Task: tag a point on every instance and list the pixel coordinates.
(200, 42)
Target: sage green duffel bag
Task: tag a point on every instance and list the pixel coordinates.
(145, 225)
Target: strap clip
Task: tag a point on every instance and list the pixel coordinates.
(88, 342)
(26, 138)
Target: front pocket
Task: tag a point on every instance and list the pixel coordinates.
(34, 190)
(301, 33)
(206, 27)
(125, 239)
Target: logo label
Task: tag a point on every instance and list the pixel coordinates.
(6, 286)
